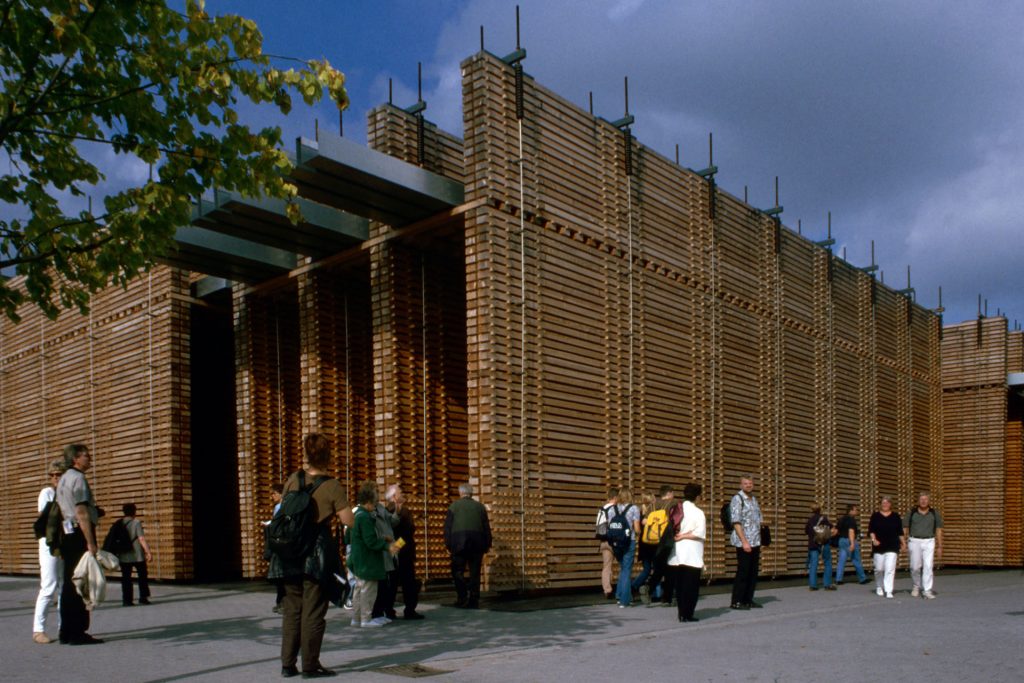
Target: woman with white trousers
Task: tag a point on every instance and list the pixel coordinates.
(51, 569)
(887, 540)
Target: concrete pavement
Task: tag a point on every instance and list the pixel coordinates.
(974, 631)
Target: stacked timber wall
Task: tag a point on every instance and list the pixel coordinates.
(983, 445)
(630, 323)
(117, 381)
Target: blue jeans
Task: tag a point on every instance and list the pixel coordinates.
(825, 551)
(854, 555)
(641, 578)
(624, 591)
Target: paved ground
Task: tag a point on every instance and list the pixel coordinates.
(974, 631)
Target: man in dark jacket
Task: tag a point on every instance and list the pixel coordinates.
(467, 533)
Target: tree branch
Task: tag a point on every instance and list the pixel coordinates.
(50, 253)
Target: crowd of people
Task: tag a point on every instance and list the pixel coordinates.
(309, 565)
(668, 536)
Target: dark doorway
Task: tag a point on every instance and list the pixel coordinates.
(215, 523)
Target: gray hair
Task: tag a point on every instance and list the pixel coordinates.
(466, 490)
(888, 498)
(392, 491)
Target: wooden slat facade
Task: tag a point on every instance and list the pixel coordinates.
(574, 327)
(983, 443)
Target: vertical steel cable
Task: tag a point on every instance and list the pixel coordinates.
(92, 387)
(348, 404)
(152, 446)
(42, 382)
(280, 395)
(630, 355)
(522, 347)
(423, 352)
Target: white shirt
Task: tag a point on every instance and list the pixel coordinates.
(690, 552)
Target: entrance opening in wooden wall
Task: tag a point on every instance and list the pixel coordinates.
(215, 522)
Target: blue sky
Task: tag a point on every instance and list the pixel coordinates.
(904, 119)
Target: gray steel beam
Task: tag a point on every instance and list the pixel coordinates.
(348, 176)
(213, 253)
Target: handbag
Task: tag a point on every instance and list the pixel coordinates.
(766, 535)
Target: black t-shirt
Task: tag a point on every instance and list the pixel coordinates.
(847, 522)
(888, 531)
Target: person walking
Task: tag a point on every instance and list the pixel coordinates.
(80, 516)
(745, 515)
(687, 559)
(405, 534)
(137, 558)
(275, 498)
(467, 535)
(923, 528)
(607, 557)
(51, 570)
(849, 544)
(819, 538)
(887, 539)
(653, 520)
(306, 580)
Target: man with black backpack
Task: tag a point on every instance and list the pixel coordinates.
(601, 534)
(304, 556)
(745, 517)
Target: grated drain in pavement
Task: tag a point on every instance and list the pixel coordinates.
(411, 671)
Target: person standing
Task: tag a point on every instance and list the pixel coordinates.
(366, 559)
(887, 539)
(819, 544)
(923, 527)
(50, 568)
(849, 545)
(384, 604)
(136, 558)
(305, 580)
(745, 515)
(607, 557)
(630, 514)
(687, 559)
(405, 533)
(467, 535)
(275, 498)
(652, 520)
(80, 515)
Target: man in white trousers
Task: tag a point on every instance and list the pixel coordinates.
(923, 526)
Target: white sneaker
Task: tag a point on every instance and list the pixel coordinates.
(888, 596)
(348, 604)
(381, 621)
(929, 595)
(916, 592)
(879, 592)
(371, 624)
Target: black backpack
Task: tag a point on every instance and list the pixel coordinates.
(39, 526)
(118, 541)
(292, 531)
(668, 537)
(619, 534)
(726, 515)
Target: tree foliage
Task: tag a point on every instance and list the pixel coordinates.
(157, 86)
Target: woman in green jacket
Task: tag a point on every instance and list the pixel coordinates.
(366, 559)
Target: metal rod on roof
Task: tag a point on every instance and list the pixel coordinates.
(799, 227)
(776, 190)
(341, 123)
(481, 37)
(390, 98)
(830, 225)
(677, 154)
(419, 81)
(591, 96)
(626, 88)
(518, 45)
(316, 129)
(745, 195)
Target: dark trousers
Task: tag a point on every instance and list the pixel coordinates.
(405, 577)
(74, 618)
(687, 585)
(302, 622)
(384, 605)
(467, 592)
(126, 581)
(746, 575)
(659, 573)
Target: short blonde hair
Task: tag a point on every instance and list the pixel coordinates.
(625, 495)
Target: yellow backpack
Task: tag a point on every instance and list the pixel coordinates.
(654, 527)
